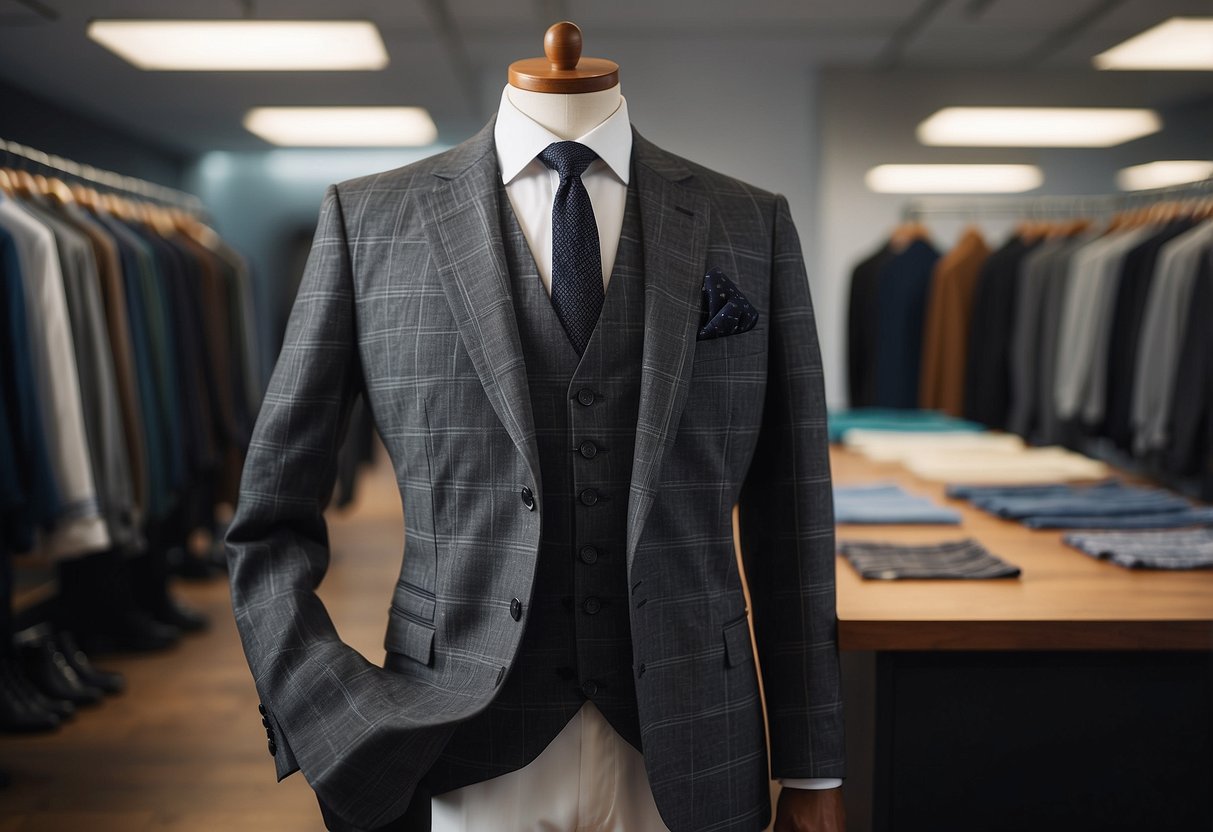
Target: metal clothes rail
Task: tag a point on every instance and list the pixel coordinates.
(1047, 206)
(105, 179)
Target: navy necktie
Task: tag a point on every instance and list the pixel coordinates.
(577, 292)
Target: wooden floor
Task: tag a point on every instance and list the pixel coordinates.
(183, 748)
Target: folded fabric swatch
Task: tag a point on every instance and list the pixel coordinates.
(953, 559)
(887, 503)
(969, 491)
(1188, 549)
(1191, 516)
(899, 446)
(1100, 503)
(1028, 466)
(879, 418)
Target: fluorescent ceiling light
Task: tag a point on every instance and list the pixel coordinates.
(1037, 126)
(953, 179)
(1178, 43)
(1162, 174)
(342, 126)
(243, 44)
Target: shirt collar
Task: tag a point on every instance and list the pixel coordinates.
(519, 139)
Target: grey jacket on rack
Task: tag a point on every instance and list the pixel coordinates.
(405, 293)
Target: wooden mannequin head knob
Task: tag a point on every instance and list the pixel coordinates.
(562, 45)
(563, 70)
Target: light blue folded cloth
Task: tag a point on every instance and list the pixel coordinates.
(887, 503)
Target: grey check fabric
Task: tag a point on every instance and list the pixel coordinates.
(1170, 549)
(406, 300)
(953, 559)
(577, 291)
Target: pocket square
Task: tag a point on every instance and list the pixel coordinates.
(726, 310)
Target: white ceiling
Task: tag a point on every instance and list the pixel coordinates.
(444, 52)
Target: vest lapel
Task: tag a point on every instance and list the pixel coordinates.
(462, 222)
(674, 221)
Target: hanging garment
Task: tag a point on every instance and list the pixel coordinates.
(862, 328)
(1162, 335)
(901, 302)
(1137, 276)
(1191, 427)
(987, 368)
(79, 527)
(1049, 428)
(946, 328)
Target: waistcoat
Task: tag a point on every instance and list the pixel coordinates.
(577, 638)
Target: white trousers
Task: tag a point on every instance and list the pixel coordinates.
(588, 779)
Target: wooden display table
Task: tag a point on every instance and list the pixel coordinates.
(1064, 599)
(1077, 696)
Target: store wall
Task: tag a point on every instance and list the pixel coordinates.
(33, 121)
(869, 118)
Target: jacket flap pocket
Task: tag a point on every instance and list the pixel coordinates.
(737, 641)
(412, 638)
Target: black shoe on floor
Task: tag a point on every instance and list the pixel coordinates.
(129, 631)
(49, 670)
(107, 680)
(19, 713)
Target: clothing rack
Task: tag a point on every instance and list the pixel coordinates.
(140, 188)
(1049, 206)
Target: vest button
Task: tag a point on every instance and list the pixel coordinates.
(589, 496)
(588, 554)
(516, 609)
(589, 687)
(273, 746)
(588, 449)
(586, 396)
(528, 499)
(591, 605)
(640, 670)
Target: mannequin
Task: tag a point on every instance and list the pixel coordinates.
(568, 115)
(576, 570)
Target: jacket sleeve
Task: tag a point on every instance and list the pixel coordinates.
(329, 711)
(786, 519)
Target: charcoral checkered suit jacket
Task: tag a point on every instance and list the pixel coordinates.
(405, 292)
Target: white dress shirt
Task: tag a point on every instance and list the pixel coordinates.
(531, 188)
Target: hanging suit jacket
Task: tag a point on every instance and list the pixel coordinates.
(405, 292)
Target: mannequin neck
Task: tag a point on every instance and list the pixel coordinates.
(568, 115)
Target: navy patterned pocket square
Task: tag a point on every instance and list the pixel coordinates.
(726, 311)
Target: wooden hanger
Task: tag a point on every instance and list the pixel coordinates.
(563, 70)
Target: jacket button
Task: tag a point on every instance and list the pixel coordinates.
(589, 687)
(589, 496)
(273, 748)
(588, 449)
(640, 670)
(588, 554)
(586, 396)
(269, 733)
(261, 708)
(516, 609)
(591, 605)
(528, 499)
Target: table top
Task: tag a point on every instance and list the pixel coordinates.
(1063, 599)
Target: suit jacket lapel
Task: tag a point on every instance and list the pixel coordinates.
(462, 221)
(674, 223)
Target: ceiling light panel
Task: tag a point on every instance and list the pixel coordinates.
(1037, 126)
(342, 126)
(246, 45)
(1181, 43)
(953, 179)
(1163, 174)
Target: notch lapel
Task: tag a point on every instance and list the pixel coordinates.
(674, 222)
(462, 222)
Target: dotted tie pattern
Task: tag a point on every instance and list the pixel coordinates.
(577, 292)
(726, 311)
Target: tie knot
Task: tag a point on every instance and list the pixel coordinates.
(567, 158)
